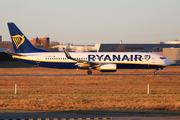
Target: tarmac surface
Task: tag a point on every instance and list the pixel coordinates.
(18, 114)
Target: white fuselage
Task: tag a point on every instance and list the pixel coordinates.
(135, 60)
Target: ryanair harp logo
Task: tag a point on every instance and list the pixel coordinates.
(147, 57)
(18, 40)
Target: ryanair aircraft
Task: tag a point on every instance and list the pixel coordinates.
(102, 61)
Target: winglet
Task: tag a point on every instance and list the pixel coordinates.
(67, 54)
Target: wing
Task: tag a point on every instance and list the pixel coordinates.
(82, 63)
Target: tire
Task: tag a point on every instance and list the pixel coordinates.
(89, 72)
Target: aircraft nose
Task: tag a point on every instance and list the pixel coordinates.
(168, 62)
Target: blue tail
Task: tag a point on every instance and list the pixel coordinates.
(20, 43)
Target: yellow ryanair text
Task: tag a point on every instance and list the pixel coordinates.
(18, 40)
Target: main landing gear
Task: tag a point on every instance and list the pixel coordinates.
(89, 72)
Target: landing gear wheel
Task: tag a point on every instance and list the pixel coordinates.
(89, 72)
(155, 72)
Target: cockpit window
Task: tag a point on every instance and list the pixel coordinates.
(162, 57)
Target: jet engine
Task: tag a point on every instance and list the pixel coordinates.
(108, 67)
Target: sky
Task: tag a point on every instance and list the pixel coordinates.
(87, 22)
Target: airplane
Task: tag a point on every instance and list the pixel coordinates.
(102, 61)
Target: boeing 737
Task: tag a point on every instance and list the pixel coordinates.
(102, 61)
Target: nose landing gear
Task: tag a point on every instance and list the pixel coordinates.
(155, 72)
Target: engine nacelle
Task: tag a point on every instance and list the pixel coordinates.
(108, 67)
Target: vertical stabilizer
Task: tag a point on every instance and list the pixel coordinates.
(20, 43)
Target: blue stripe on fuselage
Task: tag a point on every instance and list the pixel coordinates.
(68, 65)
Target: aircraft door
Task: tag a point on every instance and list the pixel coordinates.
(153, 59)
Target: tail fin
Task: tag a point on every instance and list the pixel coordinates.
(20, 43)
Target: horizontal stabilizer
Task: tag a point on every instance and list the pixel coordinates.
(15, 54)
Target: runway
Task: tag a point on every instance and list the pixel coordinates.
(59, 75)
(86, 115)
